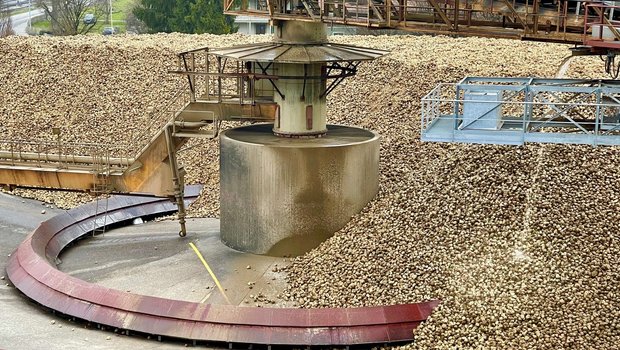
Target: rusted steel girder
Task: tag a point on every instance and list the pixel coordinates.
(150, 172)
(441, 13)
(516, 15)
(258, 112)
(31, 269)
(452, 17)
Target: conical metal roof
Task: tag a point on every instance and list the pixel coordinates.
(298, 53)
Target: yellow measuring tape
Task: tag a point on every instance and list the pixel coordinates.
(204, 262)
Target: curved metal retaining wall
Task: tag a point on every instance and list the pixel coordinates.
(32, 270)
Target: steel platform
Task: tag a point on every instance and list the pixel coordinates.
(513, 111)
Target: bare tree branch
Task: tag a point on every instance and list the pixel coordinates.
(6, 26)
(67, 16)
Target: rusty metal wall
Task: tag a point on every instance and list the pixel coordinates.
(282, 196)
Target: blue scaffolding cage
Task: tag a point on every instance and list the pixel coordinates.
(512, 111)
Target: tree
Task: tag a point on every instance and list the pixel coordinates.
(201, 18)
(133, 24)
(193, 16)
(6, 27)
(155, 14)
(67, 16)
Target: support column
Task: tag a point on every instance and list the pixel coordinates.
(302, 108)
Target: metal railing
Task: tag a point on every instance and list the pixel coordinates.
(549, 110)
(600, 29)
(564, 21)
(231, 82)
(213, 78)
(93, 157)
(61, 155)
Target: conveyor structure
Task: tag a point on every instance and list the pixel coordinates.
(591, 23)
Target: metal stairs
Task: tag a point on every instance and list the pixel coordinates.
(102, 187)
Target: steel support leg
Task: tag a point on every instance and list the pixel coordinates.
(177, 179)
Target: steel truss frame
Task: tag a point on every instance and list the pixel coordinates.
(568, 111)
(566, 21)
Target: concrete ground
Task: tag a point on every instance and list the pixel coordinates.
(148, 258)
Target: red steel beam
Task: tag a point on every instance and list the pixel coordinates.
(31, 269)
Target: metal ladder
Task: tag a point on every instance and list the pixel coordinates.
(101, 186)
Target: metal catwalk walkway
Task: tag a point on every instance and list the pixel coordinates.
(512, 111)
(564, 21)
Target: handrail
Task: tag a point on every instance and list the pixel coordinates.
(63, 154)
(528, 20)
(540, 110)
(600, 20)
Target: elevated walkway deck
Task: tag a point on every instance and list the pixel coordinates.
(513, 111)
(442, 130)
